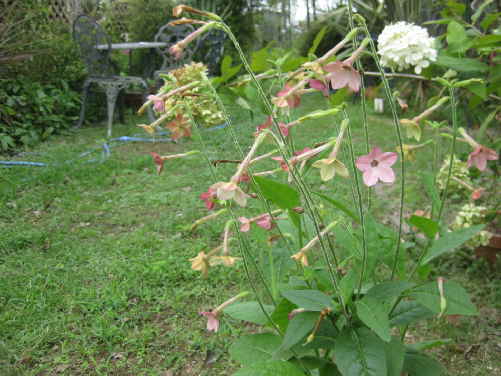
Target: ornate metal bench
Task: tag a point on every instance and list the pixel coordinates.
(89, 35)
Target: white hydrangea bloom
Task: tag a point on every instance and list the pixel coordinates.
(403, 45)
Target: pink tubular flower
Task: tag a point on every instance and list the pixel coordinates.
(212, 320)
(245, 224)
(343, 75)
(159, 161)
(477, 193)
(377, 166)
(158, 103)
(291, 101)
(230, 191)
(284, 129)
(480, 156)
(209, 198)
(265, 221)
(319, 85)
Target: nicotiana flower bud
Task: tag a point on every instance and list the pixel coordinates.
(403, 45)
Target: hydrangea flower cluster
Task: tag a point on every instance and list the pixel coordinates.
(459, 173)
(469, 215)
(403, 45)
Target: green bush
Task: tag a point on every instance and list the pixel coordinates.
(30, 111)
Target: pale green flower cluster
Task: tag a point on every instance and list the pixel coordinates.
(199, 100)
(469, 215)
(459, 172)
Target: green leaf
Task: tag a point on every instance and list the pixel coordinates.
(387, 291)
(461, 64)
(347, 285)
(458, 301)
(280, 315)
(451, 240)
(271, 368)
(373, 314)
(395, 352)
(226, 64)
(360, 353)
(259, 60)
(249, 311)
(243, 103)
(457, 38)
(487, 40)
(428, 344)
(311, 300)
(282, 195)
(478, 89)
(340, 205)
(255, 348)
(489, 19)
(318, 39)
(339, 96)
(408, 312)
(329, 369)
(299, 327)
(426, 225)
(417, 364)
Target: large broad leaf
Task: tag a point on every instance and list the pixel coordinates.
(395, 351)
(417, 364)
(249, 311)
(426, 225)
(360, 353)
(282, 195)
(311, 300)
(457, 38)
(270, 368)
(479, 89)
(450, 241)
(387, 291)
(373, 314)
(408, 312)
(458, 301)
(299, 327)
(255, 348)
(259, 60)
(461, 64)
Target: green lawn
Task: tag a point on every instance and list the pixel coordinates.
(94, 271)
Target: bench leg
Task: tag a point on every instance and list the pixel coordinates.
(111, 99)
(85, 94)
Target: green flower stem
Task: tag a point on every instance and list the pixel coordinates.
(363, 99)
(396, 122)
(309, 205)
(452, 94)
(359, 204)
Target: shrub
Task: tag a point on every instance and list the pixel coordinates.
(31, 111)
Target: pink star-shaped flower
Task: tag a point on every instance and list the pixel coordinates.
(343, 75)
(212, 320)
(209, 198)
(480, 156)
(377, 166)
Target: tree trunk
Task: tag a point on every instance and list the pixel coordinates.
(308, 14)
(314, 6)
